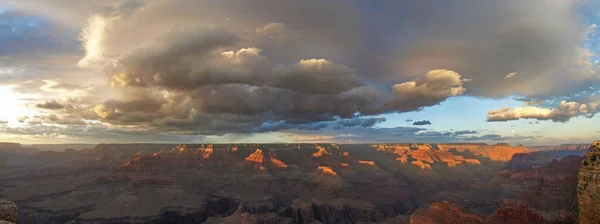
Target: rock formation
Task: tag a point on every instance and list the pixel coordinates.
(515, 211)
(424, 156)
(8, 211)
(588, 188)
(442, 213)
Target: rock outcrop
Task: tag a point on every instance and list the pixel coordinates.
(444, 212)
(8, 211)
(588, 187)
(515, 211)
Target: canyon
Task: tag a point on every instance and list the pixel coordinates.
(301, 183)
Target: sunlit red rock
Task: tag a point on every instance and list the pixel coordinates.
(472, 161)
(322, 151)
(370, 163)
(421, 165)
(256, 157)
(275, 161)
(403, 159)
(327, 170)
(206, 151)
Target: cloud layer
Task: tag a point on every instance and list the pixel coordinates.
(562, 113)
(221, 67)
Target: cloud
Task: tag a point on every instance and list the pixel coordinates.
(510, 75)
(437, 86)
(496, 137)
(188, 76)
(423, 122)
(238, 68)
(50, 105)
(363, 122)
(540, 47)
(465, 132)
(562, 113)
(316, 76)
(57, 86)
(401, 134)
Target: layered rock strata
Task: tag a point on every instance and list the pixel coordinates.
(588, 187)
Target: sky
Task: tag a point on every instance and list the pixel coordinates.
(270, 71)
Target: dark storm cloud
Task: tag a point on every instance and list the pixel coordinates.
(423, 122)
(364, 122)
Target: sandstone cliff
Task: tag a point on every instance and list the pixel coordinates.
(588, 189)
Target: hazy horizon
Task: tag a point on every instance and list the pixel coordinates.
(300, 143)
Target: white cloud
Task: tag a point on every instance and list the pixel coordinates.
(510, 75)
(563, 112)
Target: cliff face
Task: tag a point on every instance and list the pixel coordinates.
(563, 147)
(588, 189)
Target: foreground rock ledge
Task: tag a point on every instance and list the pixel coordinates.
(588, 189)
(8, 212)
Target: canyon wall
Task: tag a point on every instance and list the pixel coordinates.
(588, 189)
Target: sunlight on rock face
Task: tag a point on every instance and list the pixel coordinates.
(277, 162)
(370, 163)
(322, 151)
(327, 170)
(472, 161)
(403, 159)
(421, 165)
(256, 157)
(207, 151)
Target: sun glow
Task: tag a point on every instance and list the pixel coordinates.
(13, 105)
